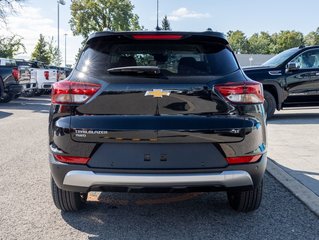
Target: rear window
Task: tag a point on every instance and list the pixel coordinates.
(173, 58)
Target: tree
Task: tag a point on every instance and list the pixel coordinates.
(95, 15)
(238, 41)
(7, 7)
(55, 55)
(285, 40)
(10, 46)
(259, 43)
(312, 38)
(165, 24)
(41, 52)
(78, 55)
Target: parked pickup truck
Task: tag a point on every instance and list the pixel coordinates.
(41, 78)
(61, 75)
(290, 79)
(9, 75)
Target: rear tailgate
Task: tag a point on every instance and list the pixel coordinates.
(25, 74)
(129, 113)
(176, 107)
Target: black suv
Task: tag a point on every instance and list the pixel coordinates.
(157, 112)
(290, 79)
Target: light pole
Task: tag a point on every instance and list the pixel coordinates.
(65, 34)
(157, 26)
(62, 2)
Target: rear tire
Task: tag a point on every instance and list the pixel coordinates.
(67, 201)
(246, 201)
(270, 104)
(6, 98)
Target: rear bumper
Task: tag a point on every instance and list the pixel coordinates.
(14, 89)
(46, 85)
(28, 86)
(81, 178)
(225, 179)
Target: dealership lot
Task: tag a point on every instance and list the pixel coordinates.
(300, 126)
(27, 211)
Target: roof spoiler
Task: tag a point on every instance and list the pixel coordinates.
(157, 35)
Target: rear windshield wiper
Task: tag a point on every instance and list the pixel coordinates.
(148, 70)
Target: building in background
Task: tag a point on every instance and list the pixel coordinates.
(252, 59)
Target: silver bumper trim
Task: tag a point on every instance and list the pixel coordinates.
(223, 179)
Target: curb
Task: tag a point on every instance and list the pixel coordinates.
(310, 199)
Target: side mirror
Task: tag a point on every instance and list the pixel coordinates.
(291, 67)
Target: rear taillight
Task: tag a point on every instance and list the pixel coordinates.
(15, 73)
(245, 93)
(241, 160)
(72, 160)
(67, 92)
(46, 75)
(157, 37)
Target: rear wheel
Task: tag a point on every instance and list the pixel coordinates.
(67, 201)
(6, 98)
(246, 201)
(270, 104)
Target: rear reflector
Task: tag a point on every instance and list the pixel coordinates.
(157, 37)
(73, 160)
(246, 92)
(241, 160)
(67, 92)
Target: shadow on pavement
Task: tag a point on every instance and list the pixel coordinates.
(197, 216)
(295, 118)
(4, 114)
(35, 104)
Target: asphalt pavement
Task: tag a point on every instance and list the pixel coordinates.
(27, 211)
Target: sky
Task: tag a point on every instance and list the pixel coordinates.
(36, 17)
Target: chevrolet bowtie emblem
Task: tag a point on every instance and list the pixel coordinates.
(158, 93)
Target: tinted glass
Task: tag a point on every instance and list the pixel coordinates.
(280, 58)
(307, 60)
(173, 58)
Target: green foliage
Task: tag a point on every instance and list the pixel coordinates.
(55, 55)
(10, 46)
(165, 24)
(78, 55)
(89, 16)
(260, 43)
(238, 41)
(285, 40)
(312, 38)
(264, 43)
(41, 52)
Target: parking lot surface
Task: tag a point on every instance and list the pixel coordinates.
(295, 149)
(27, 211)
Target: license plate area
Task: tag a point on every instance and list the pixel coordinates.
(157, 156)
